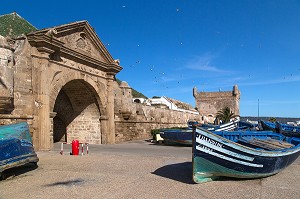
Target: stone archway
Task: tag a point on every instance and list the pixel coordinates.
(77, 113)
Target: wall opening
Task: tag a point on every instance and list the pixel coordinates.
(77, 114)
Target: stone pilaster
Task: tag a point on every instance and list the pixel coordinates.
(42, 100)
(104, 129)
(110, 112)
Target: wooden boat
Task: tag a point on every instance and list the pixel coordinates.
(181, 136)
(285, 129)
(288, 130)
(267, 126)
(244, 125)
(16, 147)
(241, 154)
(229, 126)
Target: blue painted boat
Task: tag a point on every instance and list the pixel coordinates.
(285, 129)
(288, 130)
(181, 136)
(241, 154)
(244, 125)
(16, 147)
(267, 126)
(229, 126)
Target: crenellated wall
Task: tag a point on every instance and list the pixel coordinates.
(209, 103)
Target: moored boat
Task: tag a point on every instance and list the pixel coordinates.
(229, 126)
(285, 129)
(267, 126)
(241, 154)
(16, 147)
(288, 130)
(181, 136)
(244, 125)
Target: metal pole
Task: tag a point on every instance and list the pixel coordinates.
(258, 108)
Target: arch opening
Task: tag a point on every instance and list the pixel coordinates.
(77, 114)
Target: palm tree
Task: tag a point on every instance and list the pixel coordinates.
(225, 114)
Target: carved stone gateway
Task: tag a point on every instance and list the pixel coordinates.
(60, 80)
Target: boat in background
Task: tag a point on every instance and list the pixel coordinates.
(285, 129)
(241, 154)
(16, 147)
(267, 126)
(177, 136)
(230, 126)
(288, 130)
(244, 125)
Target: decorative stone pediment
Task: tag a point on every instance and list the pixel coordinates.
(77, 41)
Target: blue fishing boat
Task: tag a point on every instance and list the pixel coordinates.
(267, 126)
(288, 130)
(181, 136)
(244, 125)
(285, 129)
(229, 126)
(16, 147)
(241, 154)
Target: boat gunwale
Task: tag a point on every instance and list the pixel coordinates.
(246, 149)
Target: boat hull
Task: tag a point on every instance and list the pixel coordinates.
(215, 156)
(16, 147)
(177, 136)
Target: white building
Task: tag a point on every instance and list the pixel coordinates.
(168, 103)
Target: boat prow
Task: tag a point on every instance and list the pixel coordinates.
(16, 148)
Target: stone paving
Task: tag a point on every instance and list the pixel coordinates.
(137, 169)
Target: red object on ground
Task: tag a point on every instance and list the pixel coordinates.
(75, 147)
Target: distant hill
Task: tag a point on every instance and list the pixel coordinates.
(13, 25)
(135, 93)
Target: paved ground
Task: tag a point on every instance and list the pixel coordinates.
(136, 170)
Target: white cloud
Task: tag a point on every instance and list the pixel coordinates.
(203, 63)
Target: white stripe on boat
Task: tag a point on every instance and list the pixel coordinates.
(245, 149)
(231, 153)
(227, 158)
(227, 128)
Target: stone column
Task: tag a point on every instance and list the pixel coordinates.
(52, 115)
(110, 112)
(42, 100)
(104, 131)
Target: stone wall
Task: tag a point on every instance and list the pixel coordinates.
(143, 119)
(135, 120)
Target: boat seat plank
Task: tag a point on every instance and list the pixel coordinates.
(269, 144)
(279, 143)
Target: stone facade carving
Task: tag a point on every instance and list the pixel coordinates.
(6, 76)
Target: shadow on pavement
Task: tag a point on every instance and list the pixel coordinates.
(16, 171)
(181, 172)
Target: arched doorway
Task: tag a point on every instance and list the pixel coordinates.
(77, 113)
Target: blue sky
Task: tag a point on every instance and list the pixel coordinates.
(167, 47)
